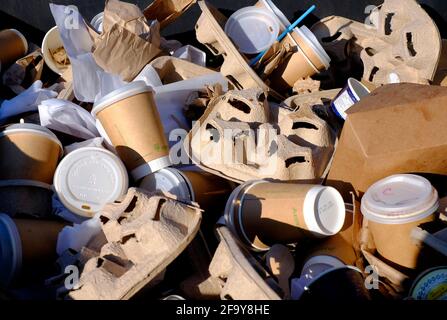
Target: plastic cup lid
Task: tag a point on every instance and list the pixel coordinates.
(169, 180)
(89, 178)
(399, 199)
(430, 285)
(10, 250)
(31, 128)
(313, 42)
(252, 29)
(324, 211)
(283, 21)
(128, 90)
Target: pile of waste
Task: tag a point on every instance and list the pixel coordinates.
(311, 164)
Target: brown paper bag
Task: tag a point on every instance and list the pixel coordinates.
(166, 11)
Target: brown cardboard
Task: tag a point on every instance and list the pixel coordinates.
(134, 127)
(38, 240)
(12, 46)
(394, 243)
(28, 156)
(397, 129)
(210, 32)
(143, 235)
(240, 276)
(306, 85)
(127, 42)
(167, 11)
(24, 72)
(406, 42)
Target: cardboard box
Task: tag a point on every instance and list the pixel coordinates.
(399, 128)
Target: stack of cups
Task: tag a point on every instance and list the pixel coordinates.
(393, 207)
(131, 120)
(262, 213)
(29, 155)
(13, 46)
(309, 59)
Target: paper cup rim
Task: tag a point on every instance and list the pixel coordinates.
(126, 91)
(96, 20)
(421, 278)
(354, 82)
(402, 215)
(324, 273)
(22, 37)
(60, 182)
(32, 128)
(308, 36)
(177, 179)
(150, 167)
(46, 56)
(15, 244)
(323, 259)
(309, 210)
(264, 12)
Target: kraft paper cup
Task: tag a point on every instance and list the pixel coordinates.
(262, 213)
(26, 197)
(284, 23)
(393, 207)
(337, 247)
(352, 93)
(51, 42)
(25, 243)
(28, 152)
(252, 29)
(430, 285)
(13, 46)
(89, 178)
(131, 120)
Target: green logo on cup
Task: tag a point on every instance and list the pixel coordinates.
(295, 216)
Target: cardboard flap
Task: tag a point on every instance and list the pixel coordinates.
(166, 11)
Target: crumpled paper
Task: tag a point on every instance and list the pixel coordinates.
(67, 117)
(166, 11)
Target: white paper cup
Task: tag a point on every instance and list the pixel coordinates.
(394, 206)
(352, 93)
(97, 22)
(89, 178)
(252, 29)
(52, 41)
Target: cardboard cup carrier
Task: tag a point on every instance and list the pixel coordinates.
(131, 120)
(262, 213)
(25, 243)
(13, 46)
(393, 207)
(89, 178)
(308, 58)
(204, 188)
(28, 152)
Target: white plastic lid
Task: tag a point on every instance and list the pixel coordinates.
(283, 21)
(252, 29)
(169, 180)
(324, 211)
(31, 128)
(313, 42)
(97, 22)
(10, 250)
(89, 178)
(22, 37)
(399, 199)
(128, 90)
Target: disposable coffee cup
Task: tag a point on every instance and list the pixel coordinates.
(252, 29)
(393, 207)
(352, 93)
(430, 285)
(284, 23)
(335, 246)
(51, 42)
(313, 268)
(24, 244)
(13, 46)
(29, 152)
(131, 120)
(89, 178)
(308, 59)
(97, 22)
(26, 197)
(262, 213)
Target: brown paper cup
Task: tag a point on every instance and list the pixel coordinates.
(38, 239)
(130, 118)
(28, 152)
(394, 243)
(267, 213)
(337, 247)
(13, 46)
